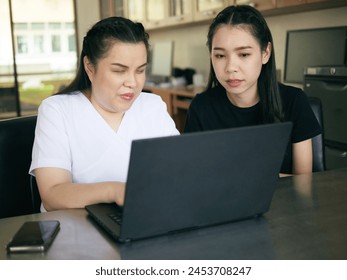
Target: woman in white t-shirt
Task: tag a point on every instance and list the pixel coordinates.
(84, 133)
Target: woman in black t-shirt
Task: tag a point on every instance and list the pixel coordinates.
(243, 90)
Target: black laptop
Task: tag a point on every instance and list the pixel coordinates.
(194, 180)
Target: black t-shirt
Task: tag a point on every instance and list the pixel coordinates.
(212, 110)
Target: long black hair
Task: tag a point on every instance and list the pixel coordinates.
(98, 41)
(253, 21)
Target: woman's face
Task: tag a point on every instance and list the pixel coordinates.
(118, 77)
(237, 61)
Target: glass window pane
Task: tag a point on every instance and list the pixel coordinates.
(22, 44)
(54, 25)
(37, 25)
(45, 48)
(69, 25)
(20, 26)
(56, 43)
(38, 43)
(72, 43)
(8, 92)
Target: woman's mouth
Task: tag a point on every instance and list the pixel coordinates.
(234, 83)
(127, 96)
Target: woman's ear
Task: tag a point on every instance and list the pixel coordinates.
(267, 53)
(89, 68)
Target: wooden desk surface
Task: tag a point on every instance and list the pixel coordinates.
(307, 220)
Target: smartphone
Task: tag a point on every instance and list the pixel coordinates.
(34, 236)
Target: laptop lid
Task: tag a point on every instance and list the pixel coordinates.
(199, 179)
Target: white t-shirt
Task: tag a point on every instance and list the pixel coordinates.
(72, 135)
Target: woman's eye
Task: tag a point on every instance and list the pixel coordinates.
(219, 56)
(244, 54)
(140, 71)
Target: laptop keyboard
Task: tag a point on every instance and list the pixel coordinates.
(117, 218)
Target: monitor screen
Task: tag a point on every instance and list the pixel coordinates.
(162, 59)
(313, 47)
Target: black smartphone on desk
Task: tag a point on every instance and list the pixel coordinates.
(34, 236)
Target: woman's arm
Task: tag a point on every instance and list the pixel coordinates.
(58, 192)
(302, 157)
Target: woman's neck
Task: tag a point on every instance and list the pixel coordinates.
(243, 100)
(113, 119)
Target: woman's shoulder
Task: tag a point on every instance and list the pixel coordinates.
(64, 98)
(290, 93)
(208, 95)
(146, 98)
(149, 97)
(210, 92)
(64, 104)
(289, 90)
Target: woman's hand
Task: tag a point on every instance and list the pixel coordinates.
(57, 190)
(119, 193)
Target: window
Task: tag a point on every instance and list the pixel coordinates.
(56, 43)
(38, 26)
(44, 49)
(38, 44)
(72, 43)
(54, 25)
(22, 44)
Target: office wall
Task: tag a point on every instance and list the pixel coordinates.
(191, 51)
(189, 46)
(280, 24)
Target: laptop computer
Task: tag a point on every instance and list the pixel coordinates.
(194, 180)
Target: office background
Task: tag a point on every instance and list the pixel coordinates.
(75, 17)
(311, 206)
(190, 41)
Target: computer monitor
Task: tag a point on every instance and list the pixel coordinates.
(314, 47)
(161, 61)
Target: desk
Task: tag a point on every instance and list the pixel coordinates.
(307, 220)
(177, 100)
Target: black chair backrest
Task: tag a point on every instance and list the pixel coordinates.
(35, 195)
(16, 141)
(318, 150)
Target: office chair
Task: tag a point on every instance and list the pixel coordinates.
(318, 149)
(16, 141)
(35, 195)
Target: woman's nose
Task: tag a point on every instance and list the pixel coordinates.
(231, 66)
(130, 81)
